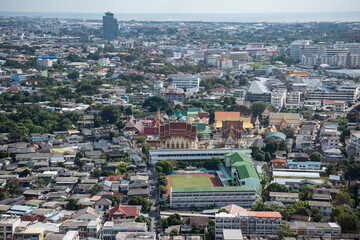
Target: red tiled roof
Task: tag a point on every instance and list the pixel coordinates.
(177, 129)
(264, 214)
(151, 130)
(128, 211)
(279, 161)
(114, 177)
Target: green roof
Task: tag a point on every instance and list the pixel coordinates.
(247, 171)
(239, 159)
(192, 110)
(302, 186)
(181, 113)
(192, 115)
(199, 126)
(214, 189)
(276, 135)
(182, 119)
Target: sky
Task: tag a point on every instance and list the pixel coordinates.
(181, 6)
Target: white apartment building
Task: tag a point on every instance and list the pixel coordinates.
(187, 197)
(239, 93)
(278, 99)
(185, 80)
(353, 147)
(44, 62)
(249, 222)
(347, 93)
(293, 97)
(284, 197)
(296, 48)
(329, 136)
(104, 61)
(192, 154)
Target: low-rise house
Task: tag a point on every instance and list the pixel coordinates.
(122, 213)
(314, 229)
(87, 214)
(308, 165)
(284, 197)
(189, 222)
(103, 204)
(301, 214)
(324, 207)
(135, 236)
(321, 194)
(86, 229)
(110, 229)
(279, 163)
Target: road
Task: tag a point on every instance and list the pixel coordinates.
(154, 198)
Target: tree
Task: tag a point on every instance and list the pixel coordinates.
(164, 223)
(129, 111)
(115, 200)
(41, 182)
(145, 148)
(271, 146)
(289, 132)
(25, 173)
(174, 219)
(72, 204)
(305, 196)
(285, 231)
(223, 210)
(259, 156)
(162, 189)
(12, 187)
(276, 187)
(110, 114)
(343, 197)
(143, 219)
(348, 222)
(283, 147)
(316, 216)
(95, 189)
(96, 173)
(315, 156)
(73, 75)
(258, 108)
(155, 103)
(165, 165)
(174, 232)
(267, 157)
(145, 204)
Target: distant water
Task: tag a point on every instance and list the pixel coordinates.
(238, 17)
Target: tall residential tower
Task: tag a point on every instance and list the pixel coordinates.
(110, 26)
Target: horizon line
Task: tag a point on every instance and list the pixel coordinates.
(7, 11)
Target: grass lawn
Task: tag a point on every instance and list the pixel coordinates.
(190, 181)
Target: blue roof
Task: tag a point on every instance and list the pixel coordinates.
(46, 57)
(276, 135)
(289, 161)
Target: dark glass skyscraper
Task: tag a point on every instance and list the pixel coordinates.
(110, 27)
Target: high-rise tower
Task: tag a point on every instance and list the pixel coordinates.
(110, 27)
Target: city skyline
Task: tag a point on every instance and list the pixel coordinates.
(186, 6)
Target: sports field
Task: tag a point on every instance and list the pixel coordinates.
(190, 181)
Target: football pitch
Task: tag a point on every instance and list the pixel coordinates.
(190, 181)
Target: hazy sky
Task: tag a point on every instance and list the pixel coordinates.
(181, 6)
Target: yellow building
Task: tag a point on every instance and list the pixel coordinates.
(231, 116)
